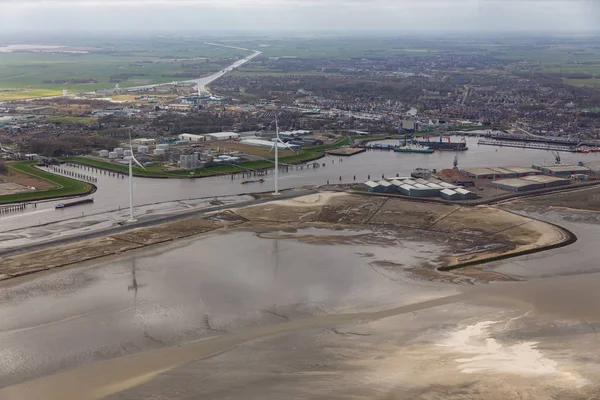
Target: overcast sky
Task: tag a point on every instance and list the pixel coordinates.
(299, 15)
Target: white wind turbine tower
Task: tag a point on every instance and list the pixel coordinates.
(132, 159)
(276, 146)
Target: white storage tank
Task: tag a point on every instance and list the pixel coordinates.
(103, 153)
(159, 152)
(127, 158)
(112, 155)
(127, 153)
(143, 149)
(119, 151)
(163, 146)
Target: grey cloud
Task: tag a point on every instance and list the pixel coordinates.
(301, 15)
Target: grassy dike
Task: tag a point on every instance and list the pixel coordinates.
(156, 171)
(64, 187)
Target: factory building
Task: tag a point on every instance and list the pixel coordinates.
(192, 138)
(465, 194)
(503, 173)
(480, 173)
(524, 171)
(517, 185)
(293, 134)
(420, 188)
(190, 161)
(449, 194)
(385, 186)
(268, 144)
(374, 187)
(532, 182)
(547, 181)
(562, 170)
(396, 183)
(222, 136)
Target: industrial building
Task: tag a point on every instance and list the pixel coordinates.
(385, 185)
(449, 194)
(547, 181)
(499, 172)
(517, 185)
(190, 161)
(222, 136)
(373, 187)
(479, 173)
(192, 138)
(562, 169)
(531, 182)
(294, 134)
(523, 171)
(420, 188)
(465, 194)
(268, 144)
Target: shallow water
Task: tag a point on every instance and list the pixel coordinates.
(200, 288)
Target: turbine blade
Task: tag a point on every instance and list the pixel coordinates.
(137, 162)
(130, 142)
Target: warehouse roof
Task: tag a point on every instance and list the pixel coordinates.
(410, 182)
(522, 170)
(447, 185)
(480, 171)
(514, 182)
(462, 191)
(448, 192)
(407, 187)
(502, 170)
(396, 182)
(542, 178)
(371, 184)
(222, 134)
(562, 168)
(384, 183)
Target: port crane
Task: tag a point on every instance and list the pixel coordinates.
(556, 157)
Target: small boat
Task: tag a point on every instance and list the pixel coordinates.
(253, 181)
(413, 148)
(73, 203)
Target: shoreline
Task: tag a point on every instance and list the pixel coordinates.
(297, 208)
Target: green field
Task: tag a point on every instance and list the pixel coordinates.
(64, 186)
(583, 82)
(29, 73)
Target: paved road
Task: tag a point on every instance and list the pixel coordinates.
(202, 82)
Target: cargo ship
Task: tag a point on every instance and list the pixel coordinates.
(444, 145)
(413, 148)
(73, 203)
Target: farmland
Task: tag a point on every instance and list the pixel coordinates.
(30, 74)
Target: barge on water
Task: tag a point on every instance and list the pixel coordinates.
(73, 203)
(442, 145)
(253, 181)
(413, 148)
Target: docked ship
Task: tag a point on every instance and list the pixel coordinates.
(73, 203)
(444, 145)
(413, 148)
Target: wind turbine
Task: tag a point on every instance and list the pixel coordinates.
(132, 159)
(276, 146)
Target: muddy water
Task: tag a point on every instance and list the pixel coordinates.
(212, 286)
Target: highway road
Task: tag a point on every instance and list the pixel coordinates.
(202, 82)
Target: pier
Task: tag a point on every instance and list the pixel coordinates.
(528, 145)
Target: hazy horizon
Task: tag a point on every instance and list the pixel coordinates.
(295, 16)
